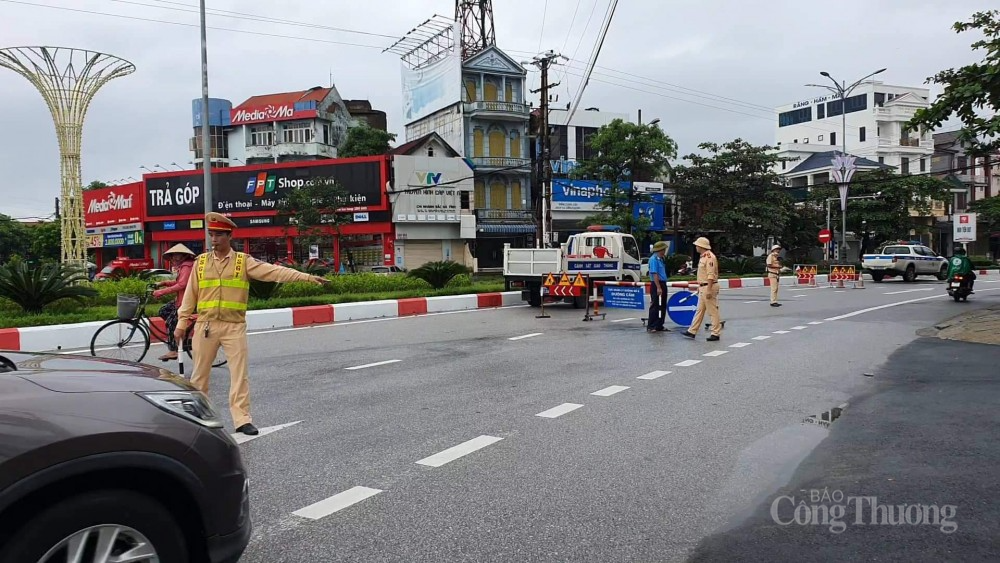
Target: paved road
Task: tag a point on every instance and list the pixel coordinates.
(655, 442)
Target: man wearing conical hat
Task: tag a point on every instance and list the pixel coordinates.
(218, 291)
(181, 260)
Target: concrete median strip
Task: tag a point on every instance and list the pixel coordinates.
(77, 336)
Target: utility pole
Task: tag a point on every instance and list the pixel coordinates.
(544, 62)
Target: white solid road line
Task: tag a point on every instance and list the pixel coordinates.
(740, 345)
(780, 332)
(715, 353)
(910, 290)
(532, 335)
(623, 320)
(888, 305)
(556, 412)
(749, 302)
(800, 327)
(243, 438)
(609, 391)
(761, 337)
(337, 502)
(654, 375)
(816, 323)
(455, 452)
(373, 365)
(687, 363)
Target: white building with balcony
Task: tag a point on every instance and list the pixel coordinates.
(287, 127)
(876, 115)
(489, 125)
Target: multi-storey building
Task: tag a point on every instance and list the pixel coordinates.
(875, 114)
(973, 177)
(488, 122)
(287, 127)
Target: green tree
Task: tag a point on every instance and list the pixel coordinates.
(46, 240)
(988, 214)
(893, 202)
(624, 152)
(363, 140)
(971, 89)
(800, 234)
(95, 185)
(312, 210)
(735, 189)
(12, 238)
(34, 287)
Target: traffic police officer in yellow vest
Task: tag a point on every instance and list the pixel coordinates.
(773, 264)
(708, 291)
(218, 290)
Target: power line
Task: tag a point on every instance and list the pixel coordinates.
(191, 8)
(153, 20)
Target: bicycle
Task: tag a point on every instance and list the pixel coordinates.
(128, 337)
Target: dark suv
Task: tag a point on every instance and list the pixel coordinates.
(103, 460)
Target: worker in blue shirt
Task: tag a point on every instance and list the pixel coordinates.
(658, 290)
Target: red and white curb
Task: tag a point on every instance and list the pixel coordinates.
(79, 335)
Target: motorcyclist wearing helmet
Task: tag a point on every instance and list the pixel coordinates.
(961, 265)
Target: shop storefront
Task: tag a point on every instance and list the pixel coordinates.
(250, 196)
(113, 218)
(432, 210)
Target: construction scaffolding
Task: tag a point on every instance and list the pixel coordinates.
(68, 79)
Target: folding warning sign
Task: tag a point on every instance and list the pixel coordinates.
(550, 281)
(579, 281)
(564, 280)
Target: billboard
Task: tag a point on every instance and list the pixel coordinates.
(964, 229)
(581, 195)
(271, 112)
(112, 206)
(430, 187)
(176, 195)
(432, 87)
(262, 190)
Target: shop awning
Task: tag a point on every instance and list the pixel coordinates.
(506, 228)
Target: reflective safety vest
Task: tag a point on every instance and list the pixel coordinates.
(223, 295)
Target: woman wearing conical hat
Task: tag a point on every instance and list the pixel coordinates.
(182, 260)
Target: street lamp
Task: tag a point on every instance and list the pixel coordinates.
(206, 141)
(143, 167)
(842, 90)
(828, 200)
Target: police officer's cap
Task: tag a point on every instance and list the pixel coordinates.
(219, 222)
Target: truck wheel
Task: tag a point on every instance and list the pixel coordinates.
(943, 274)
(534, 299)
(877, 277)
(910, 275)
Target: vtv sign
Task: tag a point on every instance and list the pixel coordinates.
(429, 178)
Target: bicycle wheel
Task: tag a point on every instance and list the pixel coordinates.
(120, 340)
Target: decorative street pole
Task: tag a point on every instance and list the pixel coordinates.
(843, 170)
(68, 79)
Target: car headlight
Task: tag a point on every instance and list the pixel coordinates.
(192, 405)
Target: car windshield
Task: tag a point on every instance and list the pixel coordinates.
(107, 270)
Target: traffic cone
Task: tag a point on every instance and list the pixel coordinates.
(859, 283)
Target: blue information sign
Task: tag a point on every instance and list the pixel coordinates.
(681, 307)
(625, 297)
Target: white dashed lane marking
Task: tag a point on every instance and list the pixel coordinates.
(654, 375)
(337, 502)
(780, 332)
(740, 345)
(243, 438)
(800, 327)
(761, 337)
(455, 452)
(376, 364)
(715, 353)
(609, 391)
(556, 412)
(532, 335)
(687, 363)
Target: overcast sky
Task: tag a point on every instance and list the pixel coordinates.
(663, 57)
